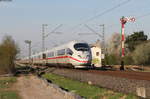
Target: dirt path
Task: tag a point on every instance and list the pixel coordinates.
(30, 87)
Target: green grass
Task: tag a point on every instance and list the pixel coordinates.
(5, 88)
(8, 95)
(75, 86)
(5, 82)
(116, 96)
(130, 96)
(84, 89)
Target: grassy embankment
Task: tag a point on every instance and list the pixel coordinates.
(86, 90)
(6, 91)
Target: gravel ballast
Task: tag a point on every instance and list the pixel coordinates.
(137, 87)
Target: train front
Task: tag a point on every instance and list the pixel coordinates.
(81, 57)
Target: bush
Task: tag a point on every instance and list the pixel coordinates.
(112, 59)
(128, 60)
(8, 52)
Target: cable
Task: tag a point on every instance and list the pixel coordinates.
(139, 17)
(35, 45)
(108, 10)
(53, 31)
(103, 13)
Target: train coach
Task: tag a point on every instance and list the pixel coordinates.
(73, 54)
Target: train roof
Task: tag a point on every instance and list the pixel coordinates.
(65, 45)
(59, 47)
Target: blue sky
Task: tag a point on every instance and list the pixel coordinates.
(22, 19)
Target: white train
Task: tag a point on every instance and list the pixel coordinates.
(73, 54)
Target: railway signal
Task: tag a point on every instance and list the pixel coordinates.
(123, 21)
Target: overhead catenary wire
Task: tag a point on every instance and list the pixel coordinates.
(142, 16)
(137, 18)
(108, 10)
(102, 13)
(54, 30)
(92, 30)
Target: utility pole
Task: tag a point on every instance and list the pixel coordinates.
(102, 37)
(103, 43)
(29, 43)
(43, 36)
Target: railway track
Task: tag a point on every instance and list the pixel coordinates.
(124, 74)
(116, 73)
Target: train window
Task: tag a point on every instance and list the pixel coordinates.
(81, 47)
(61, 52)
(51, 54)
(69, 51)
(97, 53)
(44, 56)
(39, 57)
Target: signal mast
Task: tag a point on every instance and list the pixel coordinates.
(123, 21)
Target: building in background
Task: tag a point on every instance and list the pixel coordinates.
(96, 54)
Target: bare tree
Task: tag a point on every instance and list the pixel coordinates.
(8, 52)
(114, 44)
(113, 49)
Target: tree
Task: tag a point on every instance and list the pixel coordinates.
(114, 44)
(113, 50)
(141, 55)
(8, 52)
(135, 39)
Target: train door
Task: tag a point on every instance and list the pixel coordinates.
(43, 59)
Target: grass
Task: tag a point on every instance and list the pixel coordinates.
(86, 90)
(8, 95)
(75, 86)
(5, 82)
(5, 88)
(131, 97)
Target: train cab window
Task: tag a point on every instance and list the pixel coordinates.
(81, 47)
(69, 51)
(61, 52)
(97, 53)
(44, 56)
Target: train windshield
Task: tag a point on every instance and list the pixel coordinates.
(81, 47)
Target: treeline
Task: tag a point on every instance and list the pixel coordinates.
(8, 52)
(137, 49)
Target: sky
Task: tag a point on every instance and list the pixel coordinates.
(23, 19)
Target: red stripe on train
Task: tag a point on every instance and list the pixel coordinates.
(70, 58)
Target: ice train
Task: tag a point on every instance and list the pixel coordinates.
(74, 54)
